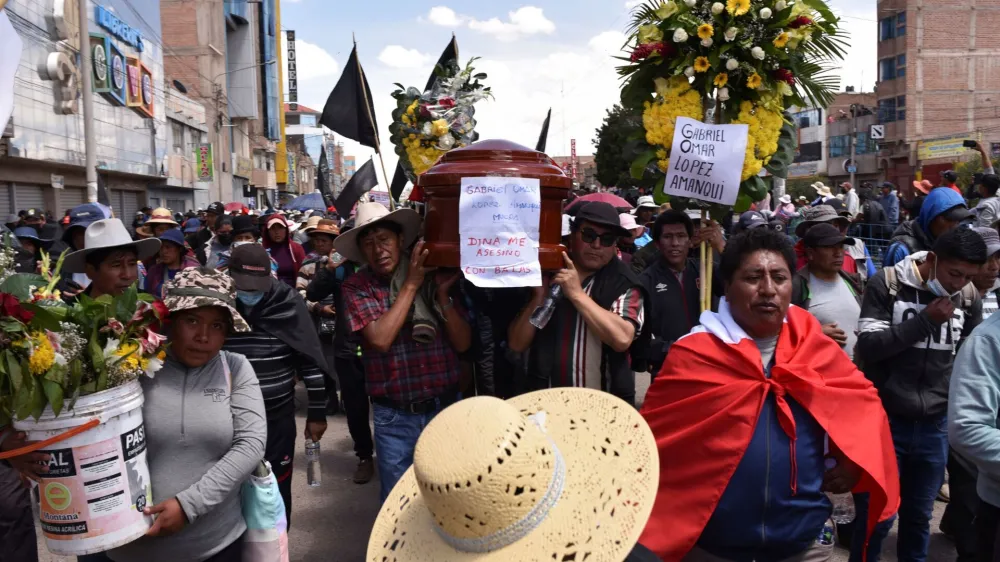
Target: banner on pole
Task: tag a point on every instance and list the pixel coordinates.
(204, 167)
(706, 161)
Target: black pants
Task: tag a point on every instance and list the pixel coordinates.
(351, 374)
(280, 452)
(959, 516)
(17, 522)
(987, 521)
(232, 553)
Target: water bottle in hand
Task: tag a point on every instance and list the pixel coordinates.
(843, 504)
(313, 470)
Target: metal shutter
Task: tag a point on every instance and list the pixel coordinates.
(130, 204)
(5, 206)
(28, 197)
(67, 199)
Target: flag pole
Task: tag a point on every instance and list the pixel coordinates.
(371, 119)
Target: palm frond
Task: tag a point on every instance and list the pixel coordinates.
(642, 14)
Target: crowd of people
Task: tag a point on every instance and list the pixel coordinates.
(819, 369)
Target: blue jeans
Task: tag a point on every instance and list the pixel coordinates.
(922, 455)
(396, 434)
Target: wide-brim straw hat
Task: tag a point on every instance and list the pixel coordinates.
(558, 474)
(311, 223)
(161, 216)
(822, 189)
(368, 214)
(108, 233)
(200, 287)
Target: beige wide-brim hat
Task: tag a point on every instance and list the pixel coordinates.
(541, 477)
(108, 233)
(822, 189)
(161, 216)
(312, 223)
(369, 214)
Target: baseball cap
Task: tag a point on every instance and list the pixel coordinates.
(991, 181)
(192, 225)
(216, 208)
(958, 213)
(989, 236)
(825, 235)
(602, 214)
(173, 235)
(33, 213)
(749, 221)
(949, 175)
(83, 216)
(250, 268)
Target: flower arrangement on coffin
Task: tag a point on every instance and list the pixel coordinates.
(728, 61)
(51, 353)
(428, 124)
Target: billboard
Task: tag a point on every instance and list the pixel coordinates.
(946, 147)
(99, 51)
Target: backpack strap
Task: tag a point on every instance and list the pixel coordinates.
(891, 281)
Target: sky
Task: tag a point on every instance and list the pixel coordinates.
(538, 54)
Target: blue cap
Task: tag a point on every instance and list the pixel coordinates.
(192, 225)
(84, 216)
(26, 232)
(173, 235)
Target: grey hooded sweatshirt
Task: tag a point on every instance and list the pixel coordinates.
(204, 436)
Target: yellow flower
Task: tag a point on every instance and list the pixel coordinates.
(666, 10)
(675, 98)
(721, 79)
(764, 126)
(705, 31)
(130, 354)
(650, 33)
(663, 164)
(753, 82)
(737, 7)
(701, 64)
(162, 355)
(781, 40)
(43, 355)
(439, 127)
(661, 154)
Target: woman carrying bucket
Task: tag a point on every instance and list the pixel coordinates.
(205, 429)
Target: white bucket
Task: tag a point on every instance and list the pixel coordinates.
(98, 481)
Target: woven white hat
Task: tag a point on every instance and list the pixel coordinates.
(371, 213)
(559, 474)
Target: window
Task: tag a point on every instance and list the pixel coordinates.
(901, 108)
(309, 120)
(840, 146)
(900, 24)
(809, 152)
(900, 66)
(886, 28)
(887, 69)
(887, 110)
(807, 118)
(177, 134)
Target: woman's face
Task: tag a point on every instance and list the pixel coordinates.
(159, 229)
(246, 237)
(197, 335)
(278, 233)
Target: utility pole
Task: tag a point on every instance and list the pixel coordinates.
(854, 143)
(86, 71)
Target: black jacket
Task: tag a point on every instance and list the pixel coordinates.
(674, 308)
(327, 283)
(906, 355)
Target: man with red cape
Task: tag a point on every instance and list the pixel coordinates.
(757, 415)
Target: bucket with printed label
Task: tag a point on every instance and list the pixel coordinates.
(92, 497)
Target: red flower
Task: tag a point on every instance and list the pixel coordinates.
(446, 103)
(648, 49)
(800, 21)
(161, 309)
(9, 306)
(784, 75)
(425, 111)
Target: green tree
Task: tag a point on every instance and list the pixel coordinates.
(967, 169)
(615, 151)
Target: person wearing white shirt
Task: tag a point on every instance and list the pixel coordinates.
(851, 201)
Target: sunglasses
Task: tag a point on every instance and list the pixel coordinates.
(608, 239)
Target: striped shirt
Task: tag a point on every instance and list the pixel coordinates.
(581, 349)
(276, 365)
(990, 304)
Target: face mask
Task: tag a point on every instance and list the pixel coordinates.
(250, 298)
(936, 287)
(224, 239)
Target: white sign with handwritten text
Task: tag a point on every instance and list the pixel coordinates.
(706, 161)
(498, 224)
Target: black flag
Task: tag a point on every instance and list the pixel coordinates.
(349, 109)
(102, 190)
(450, 53)
(361, 182)
(323, 177)
(544, 136)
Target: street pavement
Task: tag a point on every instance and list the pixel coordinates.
(331, 523)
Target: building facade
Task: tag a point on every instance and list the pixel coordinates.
(810, 158)
(938, 83)
(849, 126)
(42, 154)
(188, 169)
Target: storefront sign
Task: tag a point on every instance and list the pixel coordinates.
(66, 17)
(995, 149)
(133, 79)
(147, 105)
(58, 67)
(117, 73)
(118, 28)
(58, 182)
(293, 74)
(706, 161)
(204, 165)
(243, 167)
(102, 69)
(946, 147)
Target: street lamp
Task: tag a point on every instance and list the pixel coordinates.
(272, 61)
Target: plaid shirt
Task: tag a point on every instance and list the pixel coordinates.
(410, 371)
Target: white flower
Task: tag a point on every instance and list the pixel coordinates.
(732, 64)
(780, 5)
(757, 53)
(706, 42)
(765, 13)
(722, 94)
(691, 3)
(110, 348)
(718, 8)
(784, 89)
(689, 71)
(154, 366)
(731, 34)
(680, 35)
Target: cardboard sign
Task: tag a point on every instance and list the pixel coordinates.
(498, 230)
(706, 161)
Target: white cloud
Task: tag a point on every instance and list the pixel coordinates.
(396, 56)
(526, 20)
(629, 4)
(315, 67)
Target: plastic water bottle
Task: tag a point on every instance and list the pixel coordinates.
(826, 535)
(843, 504)
(313, 470)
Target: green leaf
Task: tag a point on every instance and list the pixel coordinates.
(10, 325)
(20, 284)
(46, 317)
(54, 394)
(754, 188)
(37, 398)
(14, 370)
(743, 203)
(787, 146)
(640, 163)
(22, 401)
(659, 197)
